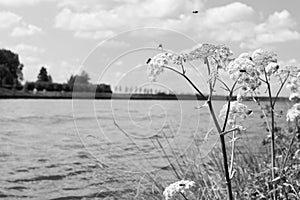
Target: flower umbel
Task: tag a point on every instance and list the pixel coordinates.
(294, 85)
(243, 70)
(263, 58)
(237, 112)
(217, 55)
(179, 188)
(295, 97)
(156, 64)
(293, 113)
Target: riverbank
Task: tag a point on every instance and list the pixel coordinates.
(19, 94)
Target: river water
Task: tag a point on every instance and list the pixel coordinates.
(98, 149)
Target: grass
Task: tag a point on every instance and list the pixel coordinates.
(250, 174)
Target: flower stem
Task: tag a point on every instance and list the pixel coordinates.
(222, 136)
(223, 147)
(273, 164)
(281, 86)
(290, 147)
(183, 196)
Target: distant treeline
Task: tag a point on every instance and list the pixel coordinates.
(11, 77)
(58, 87)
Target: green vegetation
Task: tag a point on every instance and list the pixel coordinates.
(231, 172)
(43, 76)
(10, 69)
(11, 76)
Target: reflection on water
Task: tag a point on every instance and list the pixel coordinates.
(59, 149)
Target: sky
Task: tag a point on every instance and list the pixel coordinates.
(112, 39)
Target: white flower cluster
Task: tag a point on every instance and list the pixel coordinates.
(271, 68)
(179, 188)
(237, 112)
(263, 59)
(294, 85)
(247, 69)
(218, 55)
(294, 97)
(243, 70)
(156, 64)
(293, 113)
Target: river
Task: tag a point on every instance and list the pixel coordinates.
(98, 149)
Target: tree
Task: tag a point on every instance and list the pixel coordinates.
(43, 76)
(10, 69)
(81, 79)
(103, 88)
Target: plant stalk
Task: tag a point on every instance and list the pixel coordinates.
(273, 164)
(223, 147)
(222, 136)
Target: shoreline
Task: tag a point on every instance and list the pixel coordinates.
(10, 94)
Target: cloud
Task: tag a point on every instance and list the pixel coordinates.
(102, 19)
(231, 22)
(21, 28)
(8, 19)
(78, 5)
(28, 49)
(26, 30)
(29, 60)
(277, 28)
(234, 22)
(22, 2)
(234, 12)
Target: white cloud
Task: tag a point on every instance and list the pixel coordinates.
(8, 19)
(232, 22)
(25, 49)
(22, 2)
(29, 60)
(20, 27)
(28, 49)
(78, 5)
(277, 28)
(123, 16)
(25, 30)
(235, 22)
(234, 12)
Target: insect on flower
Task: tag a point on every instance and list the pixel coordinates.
(157, 63)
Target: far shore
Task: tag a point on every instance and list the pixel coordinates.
(16, 94)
